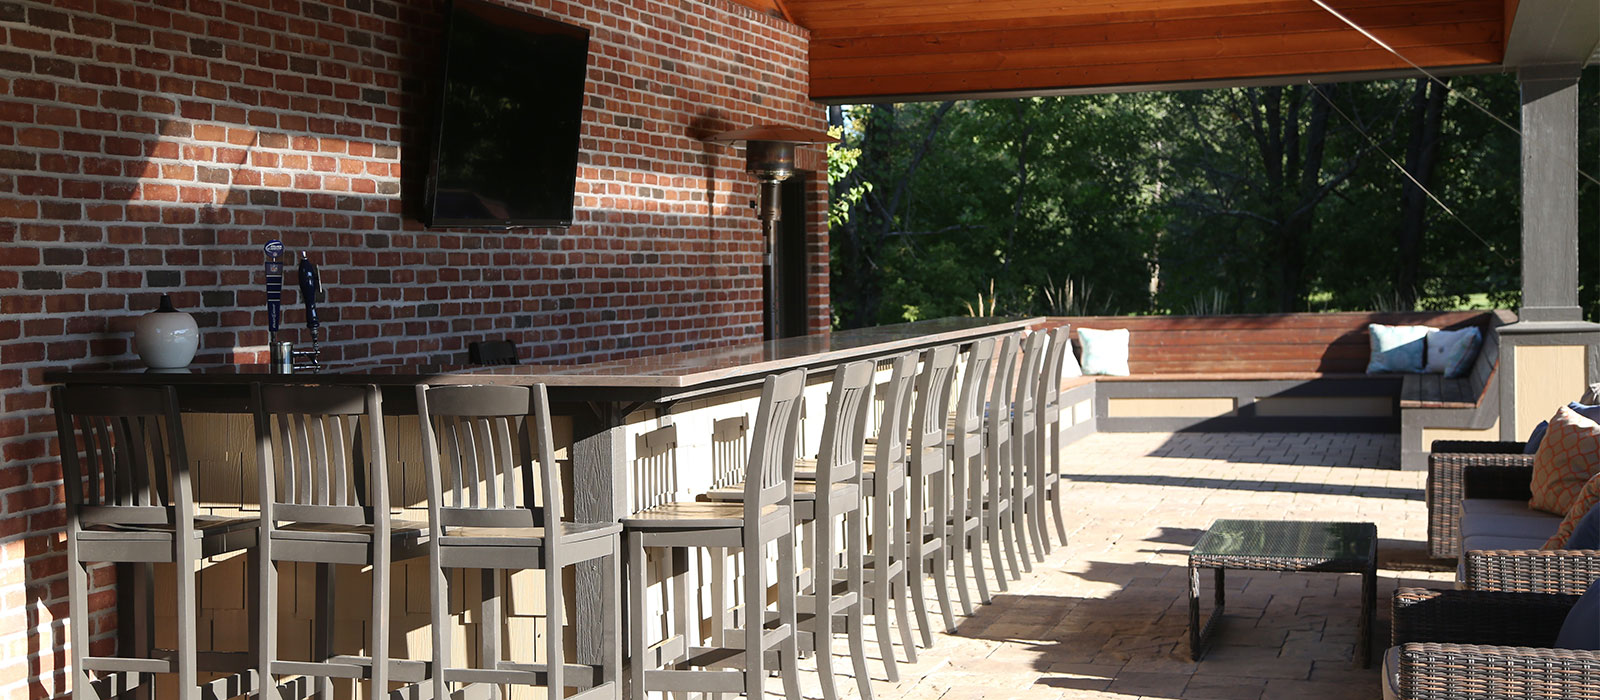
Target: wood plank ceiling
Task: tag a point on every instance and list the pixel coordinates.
(870, 50)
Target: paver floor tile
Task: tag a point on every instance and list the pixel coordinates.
(1106, 616)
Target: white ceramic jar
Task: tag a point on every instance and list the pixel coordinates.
(166, 338)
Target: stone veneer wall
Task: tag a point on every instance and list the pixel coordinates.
(150, 147)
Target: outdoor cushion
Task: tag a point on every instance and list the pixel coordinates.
(1452, 353)
(1478, 543)
(1585, 407)
(1586, 534)
(1104, 352)
(1581, 629)
(1397, 348)
(1585, 502)
(1505, 518)
(1567, 458)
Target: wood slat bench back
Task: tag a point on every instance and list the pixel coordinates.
(1262, 345)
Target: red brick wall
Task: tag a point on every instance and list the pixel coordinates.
(148, 147)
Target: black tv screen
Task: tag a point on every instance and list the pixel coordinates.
(506, 152)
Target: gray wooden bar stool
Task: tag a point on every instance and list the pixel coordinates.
(883, 483)
(767, 515)
(967, 533)
(835, 491)
(324, 492)
(130, 501)
(929, 538)
(1047, 479)
(1025, 464)
(495, 504)
(992, 493)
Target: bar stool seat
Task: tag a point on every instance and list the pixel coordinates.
(525, 536)
(700, 515)
(805, 497)
(204, 526)
(399, 530)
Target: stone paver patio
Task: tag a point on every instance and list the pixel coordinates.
(1107, 616)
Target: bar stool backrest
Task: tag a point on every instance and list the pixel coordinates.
(999, 414)
(489, 456)
(326, 445)
(769, 475)
(656, 468)
(969, 404)
(133, 468)
(730, 449)
(844, 425)
(895, 412)
(1050, 372)
(1027, 384)
(933, 399)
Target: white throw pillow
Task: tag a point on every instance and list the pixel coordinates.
(1104, 352)
(1441, 344)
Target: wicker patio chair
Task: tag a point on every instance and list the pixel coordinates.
(1445, 464)
(1476, 644)
(1525, 570)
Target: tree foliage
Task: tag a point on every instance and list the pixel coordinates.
(1391, 194)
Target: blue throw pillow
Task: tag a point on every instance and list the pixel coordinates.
(1459, 358)
(1582, 627)
(1586, 534)
(1397, 348)
(1537, 436)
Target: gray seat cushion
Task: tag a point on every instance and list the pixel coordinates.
(1495, 516)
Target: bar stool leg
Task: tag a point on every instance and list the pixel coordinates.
(439, 611)
(856, 538)
(822, 596)
(379, 630)
(915, 576)
(555, 644)
(897, 587)
(1061, 483)
(636, 641)
(883, 545)
(188, 556)
(991, 531)
(78, 621)
(611, 616)
(939, 492)
(755, 596)
(957, 541)
(489, 629)
(679, 580)
(144, 633)
(267, 630)
(322, 637)
(789, 648)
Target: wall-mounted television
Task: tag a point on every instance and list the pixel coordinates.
(507, 128)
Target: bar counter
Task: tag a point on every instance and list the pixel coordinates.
(599, 398)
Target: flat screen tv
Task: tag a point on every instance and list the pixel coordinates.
(506, 146)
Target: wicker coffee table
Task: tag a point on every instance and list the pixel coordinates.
(1284, 545)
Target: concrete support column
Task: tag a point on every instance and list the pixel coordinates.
(1550, 193)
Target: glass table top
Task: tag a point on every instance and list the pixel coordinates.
(1288, 539)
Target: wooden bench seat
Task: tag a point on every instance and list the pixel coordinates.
(1289, 372)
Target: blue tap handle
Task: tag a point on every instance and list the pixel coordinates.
(309, 287)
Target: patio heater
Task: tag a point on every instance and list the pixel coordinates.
(769, 156)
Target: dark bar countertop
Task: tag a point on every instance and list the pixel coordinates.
(671, 374)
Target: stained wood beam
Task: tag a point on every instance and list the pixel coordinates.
(882, 49)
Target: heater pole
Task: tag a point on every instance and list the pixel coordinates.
(771, 284)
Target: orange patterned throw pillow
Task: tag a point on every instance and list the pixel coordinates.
(1566, 460)
(1581, 505)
